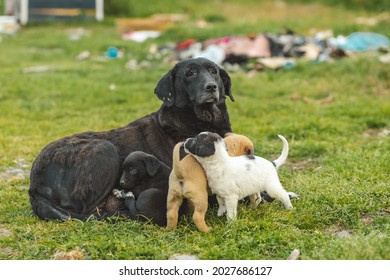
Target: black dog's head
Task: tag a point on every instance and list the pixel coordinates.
(136, 167)
(203, 144)
(197, 83)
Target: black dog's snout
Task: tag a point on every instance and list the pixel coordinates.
(210, 87)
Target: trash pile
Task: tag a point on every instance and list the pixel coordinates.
(256, 52)
(274, 51)
(251, 51)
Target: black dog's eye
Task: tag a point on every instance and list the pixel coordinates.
(191, 72)
(213, 70)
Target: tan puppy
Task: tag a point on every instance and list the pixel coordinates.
(188, 180)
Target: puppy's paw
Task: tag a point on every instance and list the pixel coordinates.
(221, 211)
(129, 195)
(293, 195)
(122, 194)
(255, 199)
(118, 193)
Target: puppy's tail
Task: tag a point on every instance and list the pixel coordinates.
(282, 158)
(176, 158)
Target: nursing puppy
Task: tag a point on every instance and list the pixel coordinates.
(233, 178)
(188, 180)
(144, 189)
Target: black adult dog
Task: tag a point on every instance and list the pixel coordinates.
(72, 176)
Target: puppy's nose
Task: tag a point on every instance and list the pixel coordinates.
(122, 182)
(210, 87)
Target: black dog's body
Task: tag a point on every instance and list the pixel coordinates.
(72, 176)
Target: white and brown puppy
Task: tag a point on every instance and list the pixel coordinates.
(188, 180)
(233, 178)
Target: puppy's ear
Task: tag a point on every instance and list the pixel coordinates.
(165, 89)
(226, 83)
(249, 151)
(151, 165)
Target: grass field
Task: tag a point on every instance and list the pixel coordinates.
(335, 115)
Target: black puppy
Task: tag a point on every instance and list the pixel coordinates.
(144, 183)
(72, 176)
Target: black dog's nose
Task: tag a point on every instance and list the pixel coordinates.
(210, 87)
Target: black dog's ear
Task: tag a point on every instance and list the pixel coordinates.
(226, 83)
(152, 165)
(165, 89)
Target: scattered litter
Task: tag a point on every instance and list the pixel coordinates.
(385, 58)
(183, 257)
(113, 52)
(310, 51)
(76, 34)
(294, 255)
(277, 62)
(112, 87)
(83, 55)
(133, 65)
(363, 41)
(277, 51)
(140, 36)
(37, 69)
(188, 48)
(202, 24)
(213, 53)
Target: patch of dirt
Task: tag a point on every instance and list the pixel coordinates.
(385, 211)
(303, 164)
(339, 232)
(319, 101)
(20, 171)
(8, 252)
(377, 132)
(75, 254)
(366, 219)
(5, 232)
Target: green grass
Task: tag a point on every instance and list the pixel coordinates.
(339, 161)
